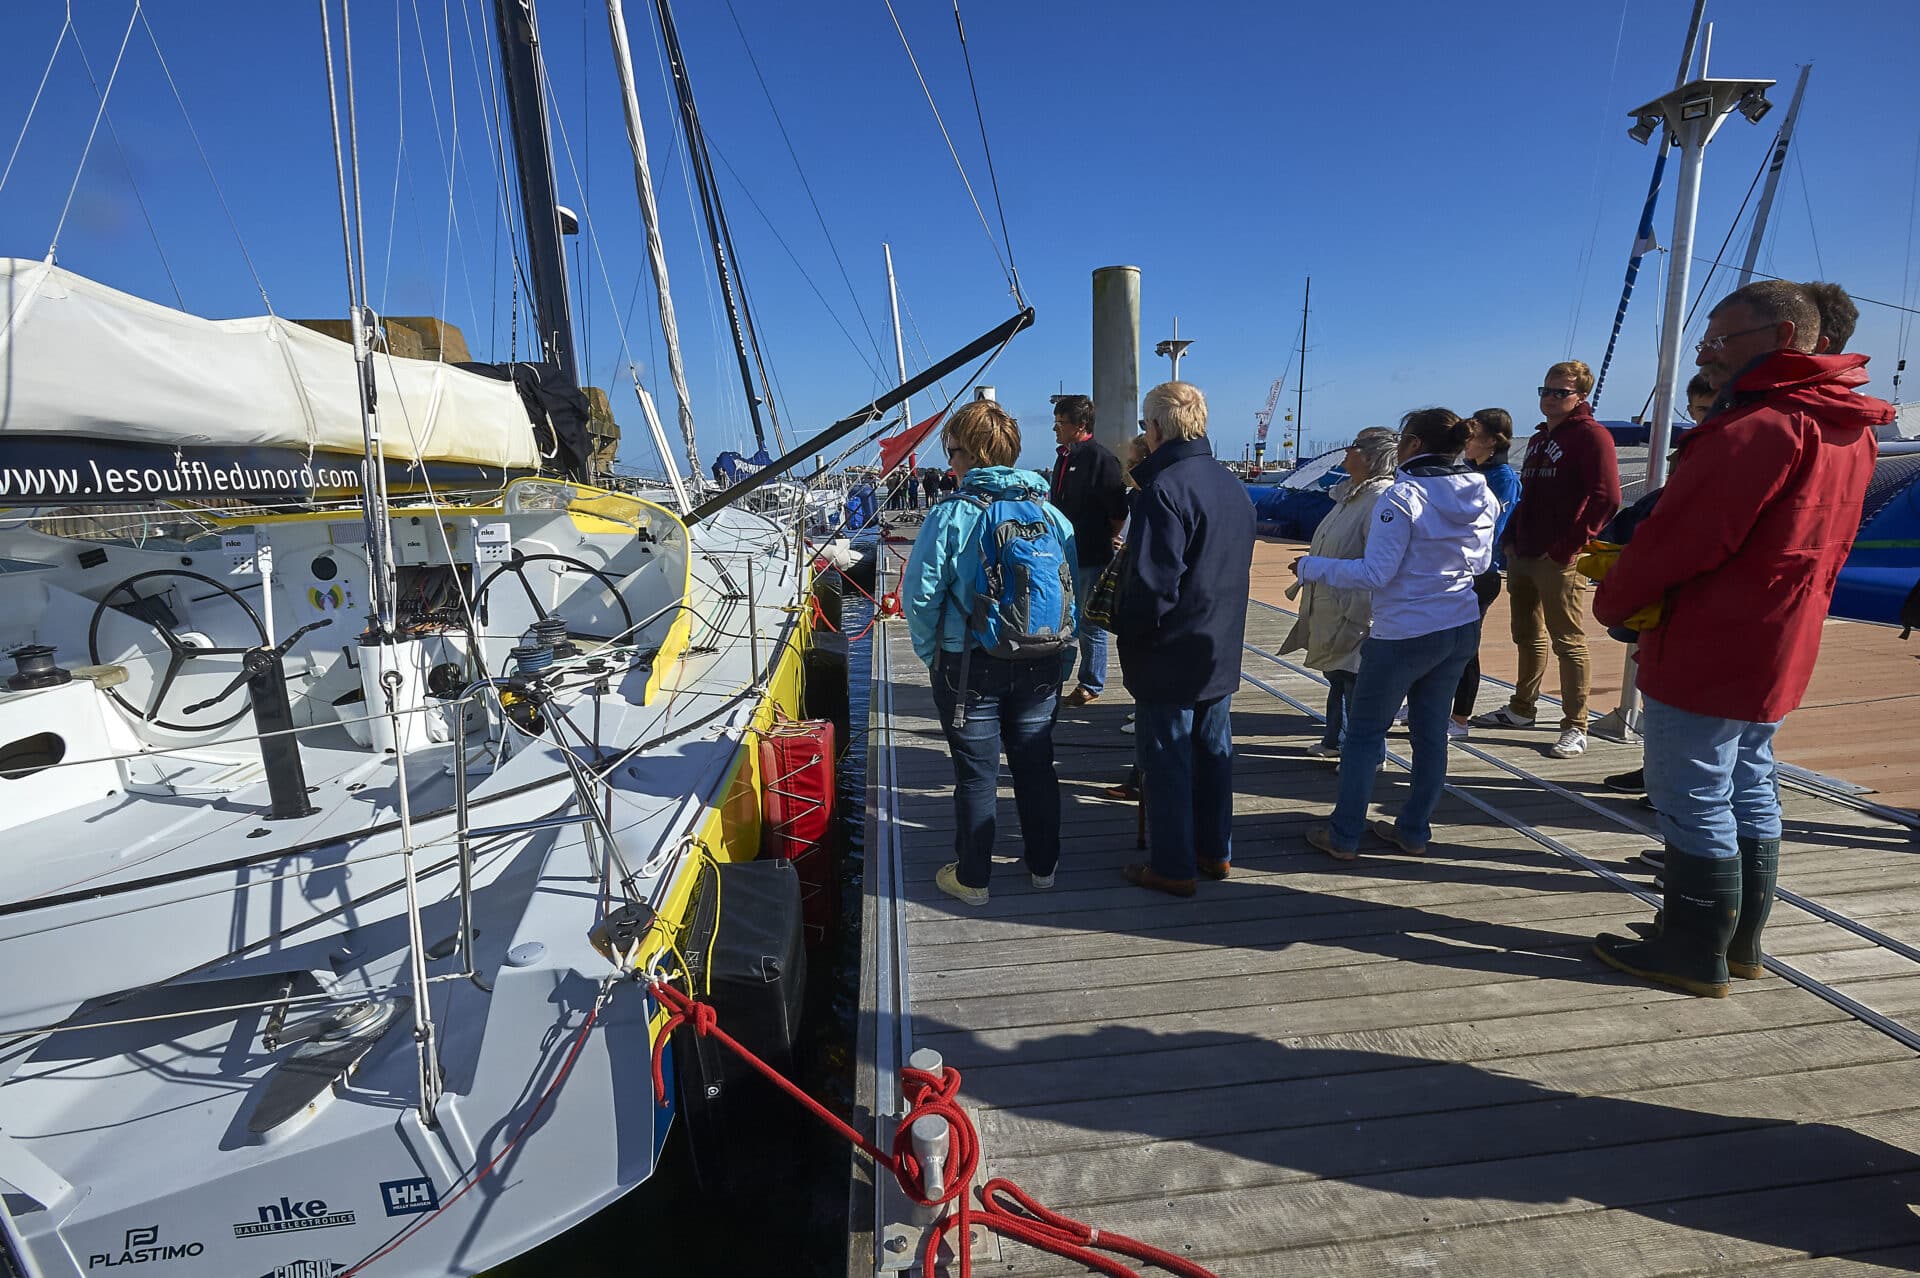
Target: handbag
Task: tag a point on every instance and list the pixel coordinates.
(1103, 601)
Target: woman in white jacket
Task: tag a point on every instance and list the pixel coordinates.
(1333, 621)
(1431, 535)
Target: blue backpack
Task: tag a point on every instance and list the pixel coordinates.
(1023, 604)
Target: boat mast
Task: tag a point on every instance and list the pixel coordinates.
(533, 157)
(899, 346)
(1300, 388)
(700, 163)
(650, 216)
(1765, 209)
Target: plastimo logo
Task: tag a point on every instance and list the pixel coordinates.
(289, 1216)
(142, 1246)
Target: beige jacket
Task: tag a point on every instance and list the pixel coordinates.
(1333, 623)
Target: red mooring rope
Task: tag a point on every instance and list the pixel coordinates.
(926, 1093)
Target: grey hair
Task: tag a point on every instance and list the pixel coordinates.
(1380, 450)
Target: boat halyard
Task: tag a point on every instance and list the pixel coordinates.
(1405, 1064)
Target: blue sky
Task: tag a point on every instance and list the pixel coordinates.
(1457, 180)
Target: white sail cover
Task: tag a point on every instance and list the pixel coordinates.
(80, 359)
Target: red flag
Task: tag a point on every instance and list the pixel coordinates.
(894, 448)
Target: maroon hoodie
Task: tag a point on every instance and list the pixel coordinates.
(1569, 488)
(1748, 539)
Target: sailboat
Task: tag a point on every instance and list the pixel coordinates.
(361, 764)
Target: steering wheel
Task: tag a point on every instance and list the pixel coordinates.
(179, 651)
(517, 566)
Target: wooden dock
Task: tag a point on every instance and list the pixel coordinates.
(1400, 1065)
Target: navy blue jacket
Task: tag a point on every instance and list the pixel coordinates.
(1183, 603)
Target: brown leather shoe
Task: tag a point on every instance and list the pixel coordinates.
(1080, 697)
(1147, 877)
(1387, 832)
(1122, 793)
(1216, 870)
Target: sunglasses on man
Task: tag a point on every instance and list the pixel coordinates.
(1556, 392)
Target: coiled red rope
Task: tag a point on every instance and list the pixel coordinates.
(1004, 1207)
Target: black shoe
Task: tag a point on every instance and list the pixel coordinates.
(1634, 782)
(1759, 870)
(1690, 950)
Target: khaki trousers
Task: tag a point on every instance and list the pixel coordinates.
(1549, 609)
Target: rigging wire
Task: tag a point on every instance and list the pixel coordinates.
(34, 106)
(1005, 268)
(503, 195)
(448, 152)
(132, 182)
(1906, 270)
(986, 148)
(119, 58)
(1812, 233)
(804, 185)
(1600, 164)
(399, 153)
(794, 258)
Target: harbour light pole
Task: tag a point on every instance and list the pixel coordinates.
(1173, 348)
(1691, 114)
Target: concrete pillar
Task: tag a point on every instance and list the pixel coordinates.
(1116, 356)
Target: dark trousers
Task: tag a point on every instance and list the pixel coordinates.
(1486, 588)
(1009, 703)
(1186, 766)
(1339, 692)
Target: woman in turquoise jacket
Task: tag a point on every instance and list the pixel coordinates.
(1006, 700)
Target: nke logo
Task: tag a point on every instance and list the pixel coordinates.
(287, 1216)
(408, 1197)
(143, 1245)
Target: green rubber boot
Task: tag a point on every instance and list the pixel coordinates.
(1690, 952)
(1759, 870)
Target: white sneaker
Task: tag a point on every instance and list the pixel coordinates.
(1571, 745)
(948, 881)
(1041, 881)
(1127, 727)
(1457, 731)
(1504, 717)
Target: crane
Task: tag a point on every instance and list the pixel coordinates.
(1264, 418)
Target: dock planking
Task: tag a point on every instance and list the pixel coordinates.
(1409, 1064)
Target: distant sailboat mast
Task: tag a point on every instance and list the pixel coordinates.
(1765, 209)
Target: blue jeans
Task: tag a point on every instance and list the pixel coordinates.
(1186, 772)
(1339, 692)
(1010, 701)
(1093, 640)
(1423, 672)
(1712, 780)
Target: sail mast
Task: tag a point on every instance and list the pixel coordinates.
(899, 346)
(700, 164)
(1300, 389)
(650, 216)
(533, 157)
(1765, 209)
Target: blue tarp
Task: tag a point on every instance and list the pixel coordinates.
(862, 507)
(1289, 512)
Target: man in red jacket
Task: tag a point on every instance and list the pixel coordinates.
(1569, 489)
(1728, 582)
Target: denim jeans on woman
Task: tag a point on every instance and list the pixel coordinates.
(1712, 781)
(1186, 770)
(1339, 693)
(1093, 640)
(1423, 672)
(1010, 702)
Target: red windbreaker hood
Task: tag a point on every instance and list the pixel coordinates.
(1821, 384)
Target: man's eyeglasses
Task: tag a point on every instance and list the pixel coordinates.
(1718, 344)
(1556, 392)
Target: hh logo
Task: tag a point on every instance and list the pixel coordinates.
(409, 1197)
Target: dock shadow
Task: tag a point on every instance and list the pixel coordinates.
(1442, 1130)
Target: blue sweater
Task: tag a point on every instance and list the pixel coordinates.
(1183, 605)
